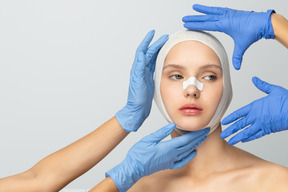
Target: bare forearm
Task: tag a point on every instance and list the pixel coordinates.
(107, 185)
(60, 168)
(77, 158)
(280, 27)
(24, 182)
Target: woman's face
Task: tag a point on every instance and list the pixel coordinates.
(191, 109)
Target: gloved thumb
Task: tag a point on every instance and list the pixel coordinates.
(237, 56)
(160, 134)
(262, 85)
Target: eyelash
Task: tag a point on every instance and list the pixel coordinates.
(177, 77)
(214, 77)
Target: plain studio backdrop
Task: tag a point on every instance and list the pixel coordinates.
(65, 67)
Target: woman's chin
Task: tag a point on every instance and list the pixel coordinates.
(190, 125)
(190, 128)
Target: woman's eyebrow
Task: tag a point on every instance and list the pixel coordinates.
(201, 68)
(174, 66)
(211, 66)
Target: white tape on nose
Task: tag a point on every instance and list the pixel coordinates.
(192, 81)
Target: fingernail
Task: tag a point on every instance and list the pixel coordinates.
(223, 122)
(231, 142)
(166, 36)
(223, 136)
(152, 31)
(237, 66)
(255, 79)
(170, 127)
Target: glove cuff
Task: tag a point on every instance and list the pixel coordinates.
(269, 32)
(126, 120)
(122, 177)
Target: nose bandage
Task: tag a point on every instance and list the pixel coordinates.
(216, 46)
(193, 81)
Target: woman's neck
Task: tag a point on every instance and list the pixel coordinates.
(212, 155)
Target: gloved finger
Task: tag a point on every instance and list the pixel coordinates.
(143, 47)
(237, 56)
(236, 115)
(242, 123)
(208, 10)
(249, 131)
(191, 147)
(187, 138)
(154, 48)
(139, 69)
(262, 85)
(184, 161)
(255, 136)
(208, 26)
(199, 18)
(146, 41)
(160, 134)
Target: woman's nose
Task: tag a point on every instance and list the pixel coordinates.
(192, 91)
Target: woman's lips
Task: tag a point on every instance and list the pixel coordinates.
(190, 109)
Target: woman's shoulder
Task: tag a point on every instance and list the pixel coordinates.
(273, 176)
(266, 174)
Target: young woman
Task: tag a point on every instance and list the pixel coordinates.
(192, 89)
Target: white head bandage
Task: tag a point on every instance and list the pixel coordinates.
(193, 81)
(217, 47)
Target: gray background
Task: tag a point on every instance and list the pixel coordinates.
(65, 70)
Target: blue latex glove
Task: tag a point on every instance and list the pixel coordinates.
(263, 116)
(141, 86)
(150, 155)
(245, 27)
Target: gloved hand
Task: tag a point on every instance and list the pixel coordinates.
(141, 86)
(150, 155)
(263, 116)
(245, 27)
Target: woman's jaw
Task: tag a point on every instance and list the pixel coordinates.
(189, 108)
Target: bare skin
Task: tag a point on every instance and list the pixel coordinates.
(241, 167)
(218, 167)
(236, 169)
(280, 27)
(107, 185)
(60, 168)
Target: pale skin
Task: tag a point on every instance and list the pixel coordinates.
(280, 27)
(217, 165)
(60, 168)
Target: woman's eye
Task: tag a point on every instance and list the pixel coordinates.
(210, 77)
(176, 77)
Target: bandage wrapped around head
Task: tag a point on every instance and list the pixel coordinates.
(216, 46)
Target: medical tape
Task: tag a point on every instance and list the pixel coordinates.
(193, 81)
